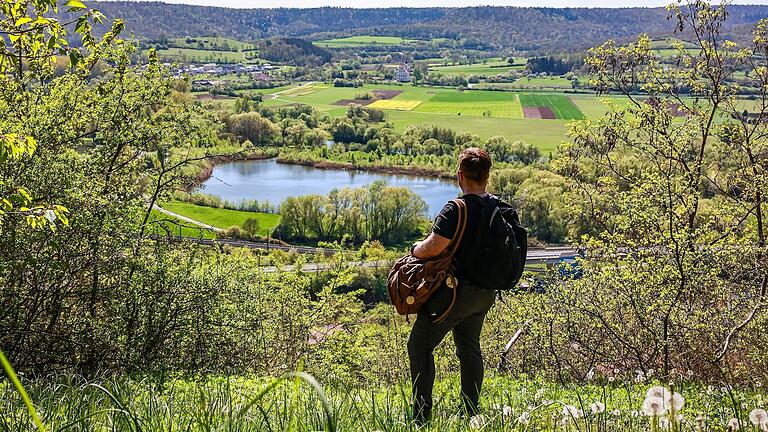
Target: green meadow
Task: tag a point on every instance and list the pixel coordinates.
(201, 55)
(224, 218)
(358, 41)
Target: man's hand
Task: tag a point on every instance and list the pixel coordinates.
(430, 247)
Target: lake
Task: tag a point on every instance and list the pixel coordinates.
(267, 180)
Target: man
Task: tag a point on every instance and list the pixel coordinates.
(472, 303)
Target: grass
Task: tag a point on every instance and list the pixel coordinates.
(491, 67)
(297, 402)
(475, 103)
(224, 218)
(546, 135)
(162, 224)
(563, 108)
(359, 41)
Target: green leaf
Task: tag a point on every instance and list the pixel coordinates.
(75, 5)
(23, 20)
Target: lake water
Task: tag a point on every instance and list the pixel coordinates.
(267, 180)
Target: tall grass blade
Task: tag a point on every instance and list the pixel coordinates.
(24, 396)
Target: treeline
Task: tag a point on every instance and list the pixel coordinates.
(293, 50)
(552, 65)
(525, 29)
(380, 212)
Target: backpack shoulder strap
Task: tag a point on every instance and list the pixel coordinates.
(461, 226)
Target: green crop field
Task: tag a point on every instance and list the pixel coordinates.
(474, 103)
(223, 218)
(492, 67)
(358, 41)
(562, 106)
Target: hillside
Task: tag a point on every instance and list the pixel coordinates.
(508, 27)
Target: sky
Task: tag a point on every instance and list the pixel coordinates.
(434, 3)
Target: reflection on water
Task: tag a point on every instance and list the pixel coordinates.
(267, 180)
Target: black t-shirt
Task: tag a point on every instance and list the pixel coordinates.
(448, 218)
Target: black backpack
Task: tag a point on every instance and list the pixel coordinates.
(497, 257)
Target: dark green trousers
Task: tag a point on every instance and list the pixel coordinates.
(466, 322)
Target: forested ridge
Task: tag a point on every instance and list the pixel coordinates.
(509, 27)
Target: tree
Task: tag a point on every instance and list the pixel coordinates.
(676, 276)
(253, 127)
(251, 226)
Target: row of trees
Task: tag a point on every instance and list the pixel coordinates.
(376, 212)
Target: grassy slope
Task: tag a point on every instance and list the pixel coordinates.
(223, 218)
(163, 224)
(357, 41)
(198, 55)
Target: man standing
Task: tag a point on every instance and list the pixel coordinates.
(472, 303)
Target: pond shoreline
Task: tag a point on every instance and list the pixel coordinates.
(395, 170)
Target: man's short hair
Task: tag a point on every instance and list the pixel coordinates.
(475, 164)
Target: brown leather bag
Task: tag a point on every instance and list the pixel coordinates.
(412, 281)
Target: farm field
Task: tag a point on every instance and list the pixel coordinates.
(491, 68)
(474, 103)
(358, 41)
(483, 113)
(547, 104)
(223, 218)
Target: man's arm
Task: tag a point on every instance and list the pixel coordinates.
(430, 247)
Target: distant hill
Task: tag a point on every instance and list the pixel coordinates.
(499, 27)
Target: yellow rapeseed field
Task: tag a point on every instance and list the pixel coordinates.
(392, 104)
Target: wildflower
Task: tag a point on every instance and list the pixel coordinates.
(539, 394)
(616, 371)
(678, 401)
(733, 424)
(597, 407)
(759, 418)
(650, 373)
(477, 422)
(616, 413)
(664, 423)
(524, 418)
(571, 411)
(658, 392)
(591, 374)
(654, 406)
(506, 411)
(611, 379)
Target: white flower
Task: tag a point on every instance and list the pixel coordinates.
(616, 413)
(597, 407)
(671, 400)
(659, 392)
(654, 406)
(506, 411)
(678, 401)
(759, 418)
(733, 424)
(664, 423)
(650, 373)
(539, 394)
(524, 418)
(616, 371)
(590, 375)
(477, 422)
(571, 411)
(611, 379)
